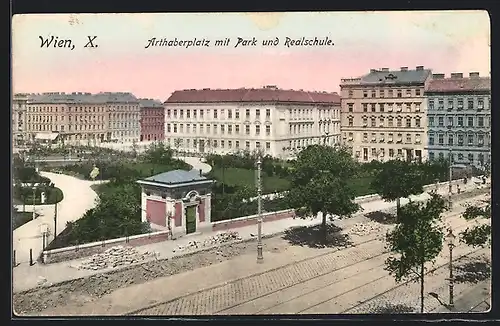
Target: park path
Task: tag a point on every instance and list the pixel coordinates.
(78, 198)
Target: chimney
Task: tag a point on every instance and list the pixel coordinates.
(384, 69)
(404, 68)
(201, 174)
(420, 67)
(457, 75)
(473, 74)
(437, 76)
(373, 70)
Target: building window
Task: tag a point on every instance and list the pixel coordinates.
(417, 122)
(350, 121)
(431, 139)
(470, 104)
(247, 113)
(408, 107)
(408, 92)
(441, 156)
(431, 156)
(470, 121)
(257, 130)
(460, 103)
(247, 145)
(382, 93)
(430, 104)
(460, 121)
(441, 121)
(365, 122)
(460, 157)
(381, 107)
(268, 113)
(417, 92)
(480, 121)
(237, 144)
(247, 130)
(408, 122)
(268, 145)
(381, 124)
(373, 122)
(365, 94)
(374, 93)
(215, 114)
(399, 122)
(237, 129)
(450, 122)
(391, 152)
(440, 104)
(450, 105)
(390, 138)
(417, 139)
(408, 138)
(470, 157)
(480, 140)
(365, 137)
(351, 135)
(460, 140)
(268, 130)
(480, 104)
(470, 139)
(450, 140)
(350, 107)
(390, 121)
(441, 139)
(374, 137)
(373, 107)
(400, 93)
(257, 114)
(399, 107)
(431, 121)
(257, 144)
(237, 114)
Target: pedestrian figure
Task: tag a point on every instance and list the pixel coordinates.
(458, 189)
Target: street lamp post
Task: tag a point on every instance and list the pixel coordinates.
(450, 238)
(450, 175)
(260, 257)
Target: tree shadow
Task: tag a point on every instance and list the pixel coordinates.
(381, 217)
(312, 236)
(390, 308)
(473, 272)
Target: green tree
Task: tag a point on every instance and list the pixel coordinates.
(319, 183)
(478, 235)
(416, 240)
(157, 153)
(398, 179)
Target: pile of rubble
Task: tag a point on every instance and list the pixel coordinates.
(219, 238)
(114, 257)
(363, 229)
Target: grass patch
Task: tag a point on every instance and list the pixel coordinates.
(21, 218)
(149, 169)
(362, 186)
(245, 177)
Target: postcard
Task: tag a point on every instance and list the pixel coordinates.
(203, 164)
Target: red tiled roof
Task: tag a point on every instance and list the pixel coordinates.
(251, 95)
(460, 84)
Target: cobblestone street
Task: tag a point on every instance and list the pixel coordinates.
(294, 279)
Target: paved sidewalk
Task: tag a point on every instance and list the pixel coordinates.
(476, 299)
(78, 198)
(295, 279)
(26, 277)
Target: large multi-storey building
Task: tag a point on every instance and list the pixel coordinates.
(458, 115)
(19, 119)
(152, 120)
(275, 121)
(383, 114)
(82, 118)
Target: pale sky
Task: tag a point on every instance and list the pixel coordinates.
(445, 41)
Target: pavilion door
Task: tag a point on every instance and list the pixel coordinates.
(190, 219)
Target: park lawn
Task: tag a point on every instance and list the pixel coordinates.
(362, 186)
(244, 177)
(149, 169)
(21, 218)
